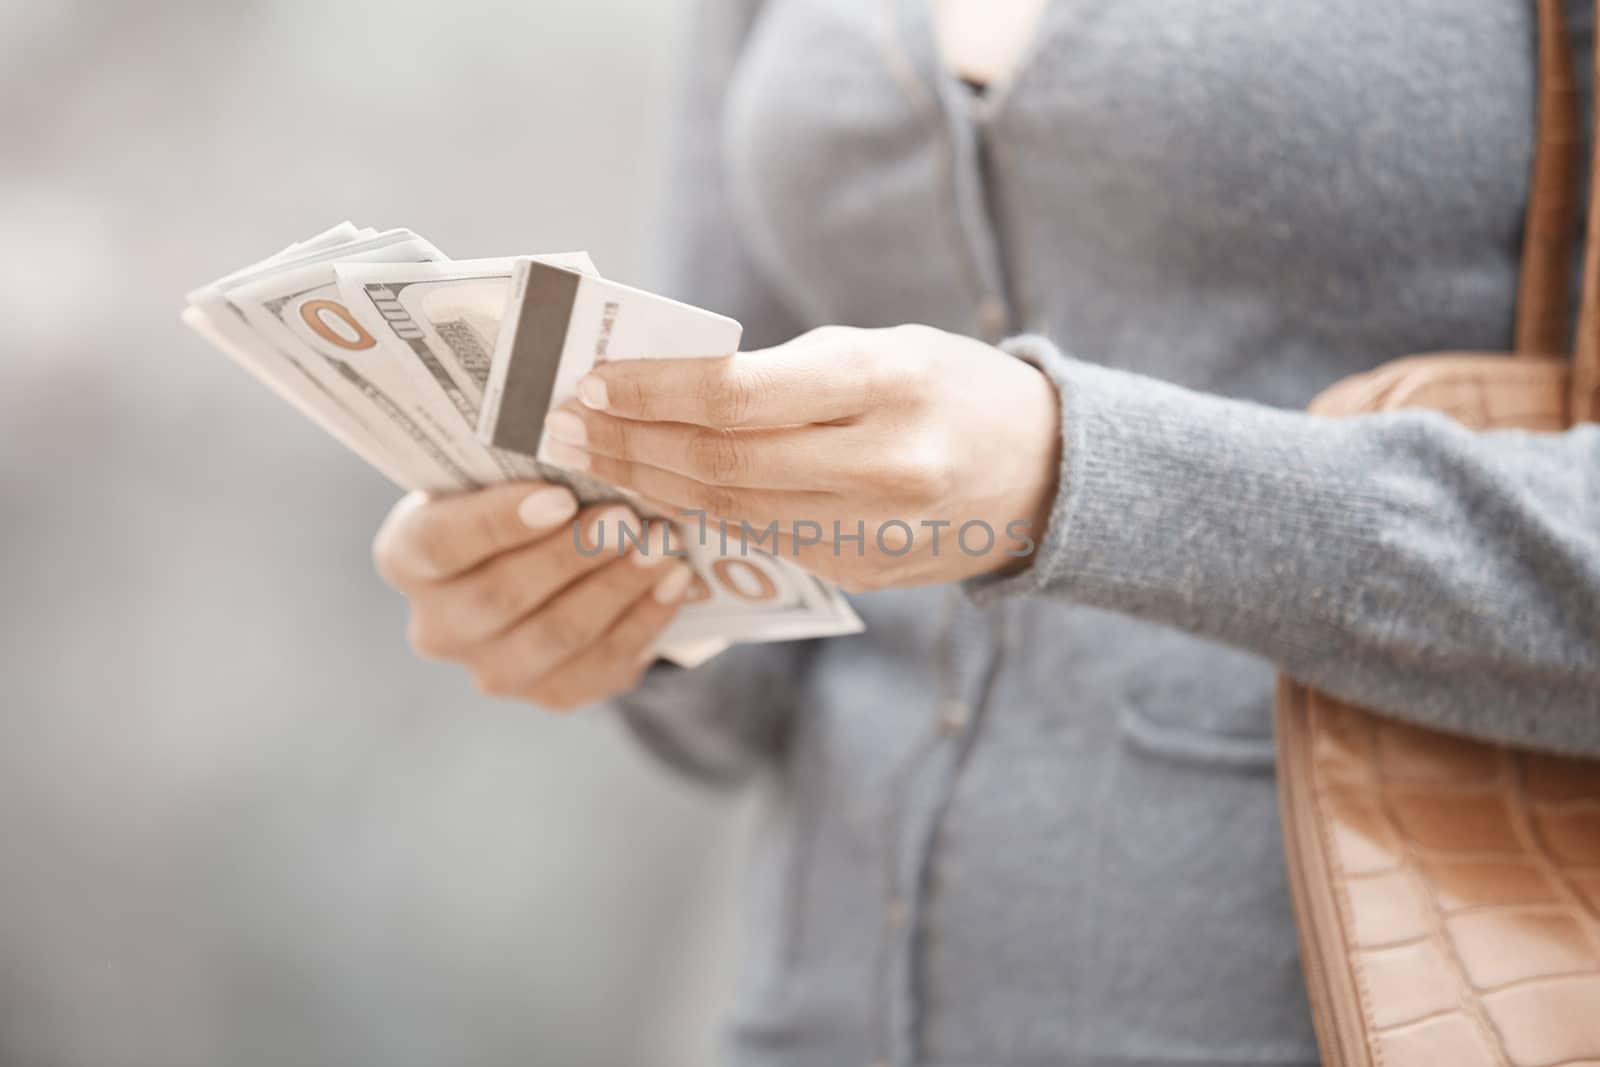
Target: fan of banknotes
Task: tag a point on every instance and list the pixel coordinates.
(439, 373)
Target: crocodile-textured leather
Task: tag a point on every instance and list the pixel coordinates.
(1448, 890)
(1453, 910)
(1465, 897)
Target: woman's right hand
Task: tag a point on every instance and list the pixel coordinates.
(496, 583)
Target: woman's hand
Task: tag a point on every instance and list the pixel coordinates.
(940, 450)
(496, 582)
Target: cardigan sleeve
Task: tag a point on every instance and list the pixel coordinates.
(1398, 560)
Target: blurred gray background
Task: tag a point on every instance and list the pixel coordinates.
(239, 824)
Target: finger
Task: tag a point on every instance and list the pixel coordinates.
(856, 565)
(450, 618)
(617, 660)
(809, 380)
(569, 624)
(778, 458)
(429, 539)
(874, 553)
(675, 495)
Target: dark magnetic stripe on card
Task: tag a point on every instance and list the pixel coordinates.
(541, 333)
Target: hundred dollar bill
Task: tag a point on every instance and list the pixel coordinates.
(742, 594)
(221, 323)
(342, 233)
(393, 350)
(363, 408)
(446, 317)
(448, 314)
(558, 323)
(281, 379)
(303, 308)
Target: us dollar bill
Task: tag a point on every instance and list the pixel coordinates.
(447, 317)
(284, 380)
(394, 350)
(558, 323)
(328, 359)
(461, 320)
(304, 308)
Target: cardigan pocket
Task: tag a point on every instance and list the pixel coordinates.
(1196, 703)
(1182, 744)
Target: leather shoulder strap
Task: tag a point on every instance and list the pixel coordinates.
(1551, 222)
(1586, 354)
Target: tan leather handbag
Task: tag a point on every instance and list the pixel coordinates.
(1448, 891)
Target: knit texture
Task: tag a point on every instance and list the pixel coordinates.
(1032, 820)
(1448, 577)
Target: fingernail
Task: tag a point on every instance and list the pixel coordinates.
(566, 457)
(567, 427)
(670, 588)
(592, 391)
(543, 508)
(615, 518)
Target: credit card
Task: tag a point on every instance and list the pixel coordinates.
(559, 323)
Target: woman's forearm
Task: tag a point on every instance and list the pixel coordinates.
(1398, 560)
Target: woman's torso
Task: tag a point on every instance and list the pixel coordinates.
(1040, 834)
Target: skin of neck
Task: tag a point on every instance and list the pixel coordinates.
(982, 40)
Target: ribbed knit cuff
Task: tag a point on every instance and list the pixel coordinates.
(1179, 505)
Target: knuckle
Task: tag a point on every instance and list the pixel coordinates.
(920, 474)
(716, 457)
(629, 396)
(899, 379)
(493, 597)
(613, 437)
(715, 500)
(882, 478)
(722, 401)
(431, 542)
(927, 480)
(619, 648)
(484, 529)
(831, 334)
(881, 382)
(730, 398)
(609, 647)
(561, 632)
(912, 333)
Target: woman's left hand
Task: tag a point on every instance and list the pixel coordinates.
(939, 450)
